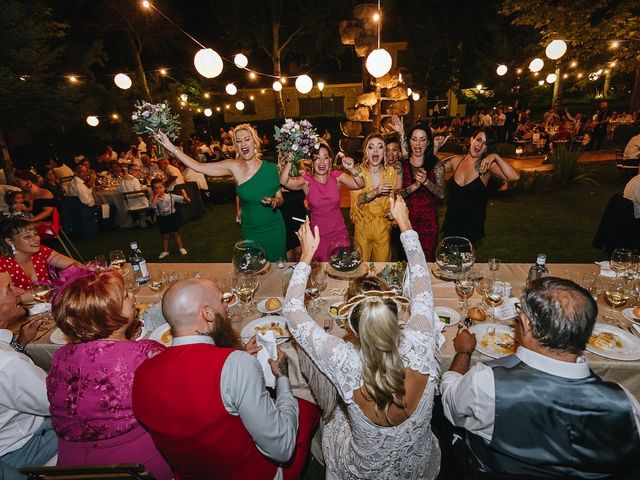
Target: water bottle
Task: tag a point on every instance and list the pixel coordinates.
(138, 264)
(538, 270)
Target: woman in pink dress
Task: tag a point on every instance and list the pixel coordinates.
(90, 380)
(322, 188)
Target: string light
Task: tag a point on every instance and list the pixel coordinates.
(566, 75)
(379, 61)
(252, 98)
(573, 64)
(580, 75)
(218, 109)
(415, 96)
(556, 49)
(208, 112)
(277, 86)
(263, 91)
(73, 78)
(536, 65)
(551, 78)
(283, 80)
(123, 81)
(479, 87)
(304, 84)
(252, 75)
(519, 71)
(502, 70)
(163, 72)
(540, 82)
(231, 89)
(92, 121)
(208, 63)
(240, 105)
(115, 116)
(615, 44)
(206, 95)
(241, 60)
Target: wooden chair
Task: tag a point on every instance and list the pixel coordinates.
(122, 471)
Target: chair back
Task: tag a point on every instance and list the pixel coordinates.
(64, 183)
(131, 197)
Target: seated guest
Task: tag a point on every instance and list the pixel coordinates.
(82, 186)
(50, 182)
(42, 201)
(542, 412)
(16, 206)
(148, 169)
(89, 383)
(27, 438)
(632, 192)
(191, 175)
(115, 170)
(172, 175)
(23, 258)
(206, 405)
(632, 150)
(4, 189)
(131, 183)
(107, 156)
(133, 156)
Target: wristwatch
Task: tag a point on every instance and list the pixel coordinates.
(17, 346)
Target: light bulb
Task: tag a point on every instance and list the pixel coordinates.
(277, 86)
(93, 121)
(208, 112)
(231, 89)
(502, 70)
(240, 105)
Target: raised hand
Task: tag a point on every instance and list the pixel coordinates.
(400, 213)
(348, 162)
(309, 241)
(397, 125)
(439, 141)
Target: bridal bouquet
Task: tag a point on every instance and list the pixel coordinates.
(149, 118)
(296, 141)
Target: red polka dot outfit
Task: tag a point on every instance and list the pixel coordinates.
(19, 277)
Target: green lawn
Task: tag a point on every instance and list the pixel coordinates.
(560, 223)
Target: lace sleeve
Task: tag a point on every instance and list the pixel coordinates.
(337, 359)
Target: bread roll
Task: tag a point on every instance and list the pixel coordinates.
(273, 304)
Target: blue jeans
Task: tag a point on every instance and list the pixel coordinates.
(41, 448)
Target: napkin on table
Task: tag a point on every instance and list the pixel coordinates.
(605, 269)
(269, 350)
(152, 317)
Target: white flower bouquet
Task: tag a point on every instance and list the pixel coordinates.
(149, 118)
(296, 141)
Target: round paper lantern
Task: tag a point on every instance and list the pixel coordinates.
(241, 60)
(502, 70)
(240, 105)
(415, 96)
(277, 86)
(378, 62)
(304, 84)
(231, 89)
(122, 81)
(556, 49)
(208, 112)
(536, 65)
(551, 78)
(93, 121)
(208, 63)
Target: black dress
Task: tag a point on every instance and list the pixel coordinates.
(466, 209)
(293, 207)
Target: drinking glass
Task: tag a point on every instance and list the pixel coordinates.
(42, 293)
(131, 284)
(464, 289)
(620, 260)
(247, 284)
(632, 272)
(319, 279)
(156, 281)
(482, 286)
(617, 294)
(117, 259)
(171, 277)
(494, 266)
(494, 296)
(591, 282)
(635, 289)
(225, 284)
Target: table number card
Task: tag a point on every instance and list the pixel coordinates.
(507, 310)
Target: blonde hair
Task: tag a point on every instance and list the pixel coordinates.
(375, 322)
(365, 157)
(254, 137)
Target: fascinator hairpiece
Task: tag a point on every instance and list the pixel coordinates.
(63, 278)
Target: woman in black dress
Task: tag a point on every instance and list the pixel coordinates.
(467, 188)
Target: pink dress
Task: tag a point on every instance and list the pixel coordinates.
(324, 205)
(89, 389)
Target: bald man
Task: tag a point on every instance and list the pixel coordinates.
(205, 403)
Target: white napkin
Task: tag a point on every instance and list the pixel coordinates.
(39, 308)
(152, 317)
(605, 269)
(269, 350)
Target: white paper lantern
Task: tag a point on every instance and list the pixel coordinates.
(304, 84)
(556, 49)
(208, 63)
(551, 78)
(277, 86)
(536, 65)
(231, 89)
(93, 121)
(122, 81)
(208, 112)
(415, 96)
(241, 60)
(240, 105)
(378, 62)
(502, 70)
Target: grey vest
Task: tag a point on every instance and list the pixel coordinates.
(554, 427)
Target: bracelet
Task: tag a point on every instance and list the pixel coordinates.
(365, 197)
(17, 346)
(356, 172)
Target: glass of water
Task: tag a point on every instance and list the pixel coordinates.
(156, 281)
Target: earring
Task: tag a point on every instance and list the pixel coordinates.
(13, 248)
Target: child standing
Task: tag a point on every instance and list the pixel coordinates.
(168, 219)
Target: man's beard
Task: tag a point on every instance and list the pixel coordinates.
(223, 334)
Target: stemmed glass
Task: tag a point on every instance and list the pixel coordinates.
(42, 293)
(494, 266)
(635, 289)
(482, 286)
(494, 296)
(156, 281)
(131, 284)
(319, 280)
(591, 282)
(117, 259)
(464, 289)
(247, 286)
(620, 260)
(617, 295)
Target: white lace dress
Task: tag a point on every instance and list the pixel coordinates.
(353, 446)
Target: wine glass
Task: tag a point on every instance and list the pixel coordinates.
(494, 296)
(131, 284)
(482, 286)
(591, 282)
(632, 272)
(319, 279)
(313, 291)
(620, 260)
(494, 265)
(635, 289)
(117, 259)
(247, 286)
(464, 289)
(156, 281)
(42, 293)
(617, 294)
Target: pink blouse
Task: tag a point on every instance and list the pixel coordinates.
(19, 277)
(89, 387)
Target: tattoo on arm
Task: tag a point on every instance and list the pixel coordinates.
(283, 366)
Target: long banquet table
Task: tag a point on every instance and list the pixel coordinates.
(625, 372)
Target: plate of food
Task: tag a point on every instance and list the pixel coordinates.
(334, 312)
(273, 322)
(162, 335)
(632, 314)
(270, 305)
(448, 316)
(613, 342)
(495, 340)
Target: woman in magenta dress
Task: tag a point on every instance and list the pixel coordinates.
(90, 380)
(322, 188)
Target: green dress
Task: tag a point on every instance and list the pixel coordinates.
(259, 222)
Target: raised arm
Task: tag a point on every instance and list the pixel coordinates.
(498, 167)
(352, 180)
(291, 183)
(216, 169)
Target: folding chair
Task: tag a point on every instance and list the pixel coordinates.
(121, 471)
(133, 205)
(54, 231)
(64, 183)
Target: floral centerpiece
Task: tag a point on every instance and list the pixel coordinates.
(155, 117)
(296, 141)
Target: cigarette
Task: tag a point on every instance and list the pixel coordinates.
(298, 219)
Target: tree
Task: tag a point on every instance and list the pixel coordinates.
(589, 28)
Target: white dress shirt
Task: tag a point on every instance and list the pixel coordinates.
(273, 426)
(469, 400)
(632, 192)
(193, 176)
(23, 396)
(77, 188)
(632, 150)
(172, 171)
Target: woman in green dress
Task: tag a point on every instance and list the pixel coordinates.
(257, 185)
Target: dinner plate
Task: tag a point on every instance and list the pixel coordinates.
(250, 329)
(448, 313)
(162, 335)
(481, 330)
(628, 351)
(262, 305)
(338, 318)
(628, 314)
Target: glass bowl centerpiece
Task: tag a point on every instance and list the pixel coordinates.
(249, 257)
(455, 255)
(344, 255)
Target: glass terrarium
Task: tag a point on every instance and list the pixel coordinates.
(249, 257)
(344, 254)
(455, 255)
